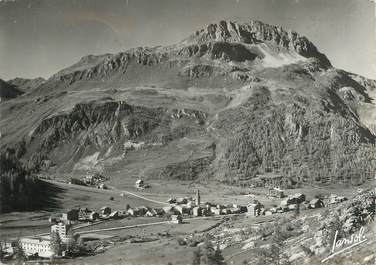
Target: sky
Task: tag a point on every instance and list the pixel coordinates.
(41, 37)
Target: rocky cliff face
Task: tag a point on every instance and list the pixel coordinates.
(232, 102)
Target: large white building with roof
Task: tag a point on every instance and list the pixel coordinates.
(36, 245)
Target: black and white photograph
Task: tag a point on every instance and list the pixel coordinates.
(187, 132)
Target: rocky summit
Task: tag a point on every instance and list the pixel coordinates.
(238, 103)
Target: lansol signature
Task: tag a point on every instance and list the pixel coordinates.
(344, 244)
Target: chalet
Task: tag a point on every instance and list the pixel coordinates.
(176, 219)
(277, 193)
(76, 181)
(93, 216)
(105, 210)
(114, 215)
(139, 183)
(171, 210)
(83, 213)
(333, 199)
(151, 213)
(220, 206)
(254, 208)
(215, 210)
(286, 202)
(71, 215)
(225, 211)
(235, 210)
(268, 212)
(143, 209)
(179, 209)
(90, 180)
(102, 186)
(298, 198)
(316, 203)
(132, 212)
(138, 211)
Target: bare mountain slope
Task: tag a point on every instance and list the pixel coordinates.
(8, 90)
(232, 102)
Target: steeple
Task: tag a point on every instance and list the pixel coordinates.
(198, 198)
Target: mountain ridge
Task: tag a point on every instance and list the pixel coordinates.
(231, 102)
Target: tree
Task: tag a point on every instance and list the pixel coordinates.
(20, 253)
(197, 256)
(218, 257)
(73, 245)
(208, 255)
(1, 252)
(56, 243)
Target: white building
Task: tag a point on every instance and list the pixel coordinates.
(36, 245)
(62, 229)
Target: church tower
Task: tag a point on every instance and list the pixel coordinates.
(198, 198)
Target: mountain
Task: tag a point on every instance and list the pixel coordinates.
(8, 90)
(25, 84)
(238, 103)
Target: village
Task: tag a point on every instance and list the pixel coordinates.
(177, 210)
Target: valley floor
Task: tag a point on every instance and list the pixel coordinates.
(153, 240)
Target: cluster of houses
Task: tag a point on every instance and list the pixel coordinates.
(187, 206)
(95, 180)
(298, 202)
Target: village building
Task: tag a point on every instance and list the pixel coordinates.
(254, 208)
(71, 215)
(197, 211)
(276, 192)
(83, 213)
(171, 200)
(36, 246)
(215, 210)
(316, 203)
(297, 198)
(235, 210)
(151, 213)
(132, 212)
(102, 186)
(76, 181)
(62, 229)
(114, 215)
(176, 219)
(105, 210)
(139, 183)
(225, 211)
(268, 212)
(93, 216)
(334, 198)
(169, 210)
(181, 200)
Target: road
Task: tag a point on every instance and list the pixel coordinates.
(138, 196)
